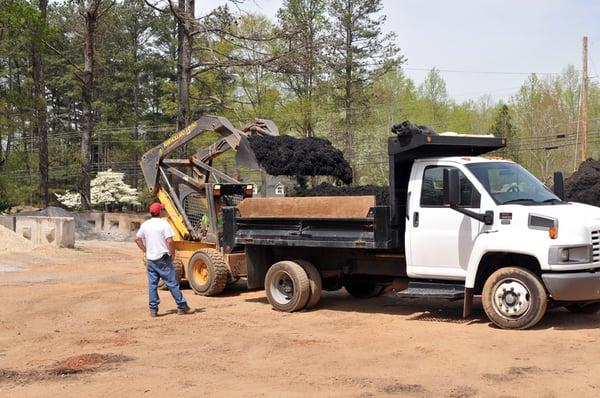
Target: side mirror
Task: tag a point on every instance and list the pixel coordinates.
(451, 187)
(559, 185)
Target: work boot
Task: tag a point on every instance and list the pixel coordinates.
(184, 310)
(153, 313)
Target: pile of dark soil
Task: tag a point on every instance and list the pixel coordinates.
(584, 185)
(288, 156)
(407, 128)
(382, 194)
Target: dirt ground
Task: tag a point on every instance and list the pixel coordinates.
(75, 323)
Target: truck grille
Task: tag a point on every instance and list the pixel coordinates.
(596, 245)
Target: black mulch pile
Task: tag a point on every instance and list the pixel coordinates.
(288, 156)
(584, 185)
(382, 194)
(407, 128)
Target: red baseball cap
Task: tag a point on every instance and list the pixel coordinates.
(155, 208)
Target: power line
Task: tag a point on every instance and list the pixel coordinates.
(481, 72)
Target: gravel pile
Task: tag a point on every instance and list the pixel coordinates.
(12, 242)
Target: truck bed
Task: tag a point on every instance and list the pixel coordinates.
(340, 222)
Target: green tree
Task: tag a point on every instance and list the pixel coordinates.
(503, 127)
(433, 98)
(304, 25)
(358, 48)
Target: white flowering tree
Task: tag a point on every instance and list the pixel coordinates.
(108, 189)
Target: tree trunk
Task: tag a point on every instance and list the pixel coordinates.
(348, 102)
(91, 19)
(41, 113)
(184, 61)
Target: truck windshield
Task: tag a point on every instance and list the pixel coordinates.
(511, 183)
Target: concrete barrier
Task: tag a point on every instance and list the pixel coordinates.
(57, 231)
(8, 222)
(124, 223)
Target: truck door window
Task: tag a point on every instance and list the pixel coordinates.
(432, 189)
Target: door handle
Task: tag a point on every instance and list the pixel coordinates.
(416, 219)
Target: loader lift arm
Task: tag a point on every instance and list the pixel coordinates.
(169, 183)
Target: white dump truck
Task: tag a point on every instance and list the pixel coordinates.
(456, 225)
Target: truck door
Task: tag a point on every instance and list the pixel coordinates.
(439, 239)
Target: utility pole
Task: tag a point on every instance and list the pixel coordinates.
(583, 109)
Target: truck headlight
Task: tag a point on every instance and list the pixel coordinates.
(560, 255)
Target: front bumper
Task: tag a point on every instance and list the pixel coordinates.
(579, 286)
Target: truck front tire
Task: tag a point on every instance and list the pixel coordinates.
(287, 286)
(514, 298)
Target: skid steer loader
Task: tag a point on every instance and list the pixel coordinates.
(193, 192)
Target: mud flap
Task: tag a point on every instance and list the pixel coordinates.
(467, 302)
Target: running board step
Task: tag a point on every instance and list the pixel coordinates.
(433, 290)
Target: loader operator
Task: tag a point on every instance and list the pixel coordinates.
(155, 238)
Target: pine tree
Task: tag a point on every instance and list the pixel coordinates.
(502, 127)
(358, 49)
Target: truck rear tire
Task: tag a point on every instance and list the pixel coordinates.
(363, 290)
(314, 279)
(582, 308)
(514, 298)
(287, 286)
(178, 265)
(207, 272)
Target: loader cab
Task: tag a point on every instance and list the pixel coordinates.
(203, 207)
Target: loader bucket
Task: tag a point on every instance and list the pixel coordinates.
(245, 156)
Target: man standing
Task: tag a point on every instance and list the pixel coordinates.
(155, 238)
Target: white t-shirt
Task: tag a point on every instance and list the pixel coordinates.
(155, 232)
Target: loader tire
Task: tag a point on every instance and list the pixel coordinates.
(314, 279)
(514, 298)
(287, 286)
(178, 265)
(583, 308)
(363, 290)
(207, 272)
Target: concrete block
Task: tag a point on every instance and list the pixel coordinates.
(125, 223)
(57, 231)
(8, 222)
(94, 218)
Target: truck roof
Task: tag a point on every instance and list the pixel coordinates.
(467, 159)
(418, 146)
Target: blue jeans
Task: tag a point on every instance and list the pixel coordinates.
(163, 268)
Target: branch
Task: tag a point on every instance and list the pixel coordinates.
(60, 54)
(107, 9)
(155, 7)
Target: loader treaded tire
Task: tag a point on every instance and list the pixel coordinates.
(287, 286)
(314, 279)
(207, 272)
(537, 297)
(178, 265)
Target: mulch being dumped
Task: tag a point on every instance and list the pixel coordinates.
(84, 363)
(284, 155)
(382, 194)
(584, 185)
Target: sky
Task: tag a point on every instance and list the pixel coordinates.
(481, 47)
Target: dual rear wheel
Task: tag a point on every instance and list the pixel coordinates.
(293, 285)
